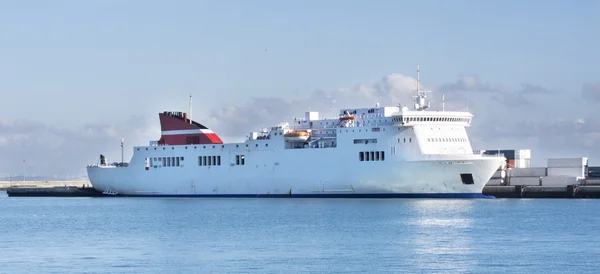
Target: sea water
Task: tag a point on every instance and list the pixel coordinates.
(194, 235)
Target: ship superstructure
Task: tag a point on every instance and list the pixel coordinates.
(383, 151)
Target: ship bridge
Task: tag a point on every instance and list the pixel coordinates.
(411, 118)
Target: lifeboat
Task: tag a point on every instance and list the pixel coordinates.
(347, 117)
(296, 136)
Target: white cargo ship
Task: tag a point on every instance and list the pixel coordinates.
(386, 152)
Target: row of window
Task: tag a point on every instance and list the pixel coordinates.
(375, 129)
(409, 140)
(240, 160)
(163, 162)
(178, 161)
(196, 147)
(209, 160)
(446, 140)
(435, 140)
(431, 119)
(371, 156)
(365, 141)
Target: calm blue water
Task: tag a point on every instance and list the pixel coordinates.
(173, 235)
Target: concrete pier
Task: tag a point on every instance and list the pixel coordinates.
(523, 191)
(57, 191)
(5, 185)
(49, 189)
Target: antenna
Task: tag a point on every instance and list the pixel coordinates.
(420, 99)
(190, 108)
(122, 141)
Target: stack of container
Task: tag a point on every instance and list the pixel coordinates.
(568, 167)
(559, 171)
(526, 176)
(565, 171)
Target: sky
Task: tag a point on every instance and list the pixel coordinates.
(77, 76)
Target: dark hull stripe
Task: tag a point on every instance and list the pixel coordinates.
(354, 196)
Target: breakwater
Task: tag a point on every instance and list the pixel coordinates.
(6, 185)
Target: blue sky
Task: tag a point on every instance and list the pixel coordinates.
(72, 66)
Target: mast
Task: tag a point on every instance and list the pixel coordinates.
(122, 154)
(190, 108)
(420, 99)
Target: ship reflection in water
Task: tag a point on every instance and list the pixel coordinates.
(442, 232)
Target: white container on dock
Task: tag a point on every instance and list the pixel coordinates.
(495, 182)
(567, 162)
(499, 174)
(527, 181)
(567, 171)
(523, 154)
(561, 180)
(528, 172)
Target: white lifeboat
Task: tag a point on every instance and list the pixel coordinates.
(296, 136)
(347, 116)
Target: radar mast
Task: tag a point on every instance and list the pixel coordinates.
(421, 102)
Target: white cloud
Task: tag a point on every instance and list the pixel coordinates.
(233, 123)
(52, 151)
(469, 83)
(500, 123)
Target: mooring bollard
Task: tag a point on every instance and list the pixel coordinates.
(572, 190)
(520, 190)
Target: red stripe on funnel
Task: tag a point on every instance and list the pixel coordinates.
(176, 122)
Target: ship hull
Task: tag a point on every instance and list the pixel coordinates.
(392, 179)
